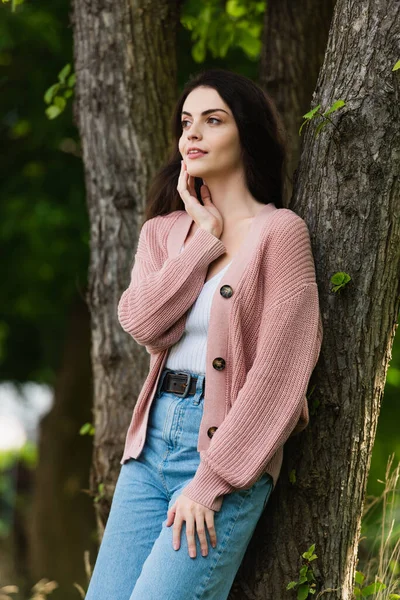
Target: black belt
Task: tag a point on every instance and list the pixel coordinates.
(180, 383)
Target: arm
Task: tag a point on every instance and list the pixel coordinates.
(269, 403)
(160, 294)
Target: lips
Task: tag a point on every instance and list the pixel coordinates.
(195, 150)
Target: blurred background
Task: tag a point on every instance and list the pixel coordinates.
(47, 519)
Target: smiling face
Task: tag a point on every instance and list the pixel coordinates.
(211, 130)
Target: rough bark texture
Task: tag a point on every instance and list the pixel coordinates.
(348, 192)
(125, 60)
(294, 42)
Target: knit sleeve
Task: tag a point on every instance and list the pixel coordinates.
(268, 406)
(159, 295)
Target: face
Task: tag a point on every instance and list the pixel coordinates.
(214, 132)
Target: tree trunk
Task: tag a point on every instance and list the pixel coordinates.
(347, 190)
(294, 42)
(125, 60)
(62, 520)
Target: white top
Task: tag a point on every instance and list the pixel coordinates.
(189, 353)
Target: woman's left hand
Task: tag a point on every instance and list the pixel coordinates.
(195, 514)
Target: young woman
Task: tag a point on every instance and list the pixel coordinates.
(223, 295)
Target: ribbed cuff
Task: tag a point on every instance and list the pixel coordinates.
(207, 488)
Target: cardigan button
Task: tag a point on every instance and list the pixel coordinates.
(211, 431)
(226, 291)
(218, 363)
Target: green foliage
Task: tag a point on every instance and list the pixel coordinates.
(87, 429)
(396, 66)
(101, 493)
(58, 93)
(306, 582)
(339, 281)
(371, 589)
(315, 112)
(44, 229)
(217, 27)
(14, 4)
(27, 455)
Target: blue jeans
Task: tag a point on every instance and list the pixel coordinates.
(136, 560)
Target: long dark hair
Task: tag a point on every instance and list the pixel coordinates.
(262, 138)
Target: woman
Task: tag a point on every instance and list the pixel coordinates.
(223, 295)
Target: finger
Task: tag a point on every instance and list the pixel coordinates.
(191, 187)
(182, 184)
(191, 542)
(205, 195)
(176, 535)
(201, 532)
(211, 528)
(171, 515)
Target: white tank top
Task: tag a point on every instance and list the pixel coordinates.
(189, 353)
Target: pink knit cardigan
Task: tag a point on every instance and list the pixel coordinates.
(264, 339)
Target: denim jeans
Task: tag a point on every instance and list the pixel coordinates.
(136, 560)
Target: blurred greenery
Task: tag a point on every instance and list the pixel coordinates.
(43, 218)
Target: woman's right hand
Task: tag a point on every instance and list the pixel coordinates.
(208, 216)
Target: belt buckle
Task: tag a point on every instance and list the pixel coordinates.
(187, 385)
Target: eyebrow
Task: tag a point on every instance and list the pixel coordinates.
(205, 112)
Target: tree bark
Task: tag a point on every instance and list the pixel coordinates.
(347, 190)
(125, 60)
(294, 42)
(61, 518)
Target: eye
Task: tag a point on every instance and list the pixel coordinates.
(210, 119)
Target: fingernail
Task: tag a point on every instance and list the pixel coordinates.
(175, 546)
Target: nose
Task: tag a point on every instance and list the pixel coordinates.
(193, 132)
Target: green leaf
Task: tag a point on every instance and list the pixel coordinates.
(60, 102)
(373, 588)
(199, 52)
(302, 592)
(396, 66)
(292, 476)
(309, 552)
(235, 8)
(311, 113)
(52, 91)
(340, 278)
(304, 123)
(71, 80)
(359, 577)
(87, 428)
(63, 74)
(319, 127)
(52, 111)
(291, 585)
(357, 592)
(335, 106)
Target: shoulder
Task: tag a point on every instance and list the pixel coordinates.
(155, 231)
(161, 223)
(286, 231)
